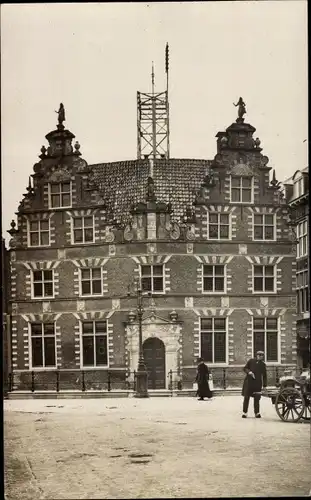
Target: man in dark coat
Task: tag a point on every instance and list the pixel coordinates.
(202, 378)
(255, 380)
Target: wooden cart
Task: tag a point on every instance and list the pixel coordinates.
(292, 399)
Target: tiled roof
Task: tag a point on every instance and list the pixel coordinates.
(124, 184)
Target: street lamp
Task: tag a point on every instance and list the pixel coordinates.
(142, 374)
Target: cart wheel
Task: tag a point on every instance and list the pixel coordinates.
(307, 413)
(290, 405)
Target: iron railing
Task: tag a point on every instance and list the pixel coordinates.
(107, 381)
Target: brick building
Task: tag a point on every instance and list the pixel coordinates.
(207, 239)
(297, 197)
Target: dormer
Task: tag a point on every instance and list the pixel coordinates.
(300, 184)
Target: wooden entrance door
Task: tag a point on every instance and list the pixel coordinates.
(154, 356)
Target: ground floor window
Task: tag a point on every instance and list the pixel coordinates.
(265, 338)
(43, 345)
(213, 340)
(94, 343)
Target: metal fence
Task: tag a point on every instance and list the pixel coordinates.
(107, 381)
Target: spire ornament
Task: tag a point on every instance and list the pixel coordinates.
(61, 116)
(241, 110)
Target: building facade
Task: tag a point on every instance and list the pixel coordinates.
(297, 196)
(207, 240)
(6, 345)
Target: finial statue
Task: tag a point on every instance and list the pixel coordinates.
(241, 110)
(61, 115)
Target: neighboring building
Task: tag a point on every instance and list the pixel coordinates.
(208, 239)
(6, 351)
(297, 197)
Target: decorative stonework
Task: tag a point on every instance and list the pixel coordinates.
(112, 250)
(80, 305)
(189, 247)
(242, 249)
(154, 326)
(189, 302)
(115, 304)
(61, 254)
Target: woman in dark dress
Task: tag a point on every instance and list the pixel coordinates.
(202, 378)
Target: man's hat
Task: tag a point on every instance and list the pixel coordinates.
(260, 352)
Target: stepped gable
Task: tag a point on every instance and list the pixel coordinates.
(124, 184)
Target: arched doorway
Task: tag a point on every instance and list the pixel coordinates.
(154, 356)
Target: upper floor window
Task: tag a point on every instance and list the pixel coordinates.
(302, 280)
(43, 284)
(302, 237)
(214, 278)
(241, 189)
(83, 229)
(39, 233)
(43, 345)
(264, 227)
(218, 226)
(91, 281)
(264, 279)
(298, 188)
(265, 338)
(94, 343)
(60, 194)
(152, 278)
(213, 340)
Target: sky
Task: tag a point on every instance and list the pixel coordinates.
(95, 57)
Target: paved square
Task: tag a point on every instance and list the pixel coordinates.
(159, 447)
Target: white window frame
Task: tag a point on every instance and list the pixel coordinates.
(44, 297)
(60, 194)
(305, 285)
(89, 367)
(155, 292)
(241, 177)
(302, 236)
(263, 225)
(29, 232)
(263, 276)
(91, 281)
(215, 292)
(40, 368)
(269, 363)
(219, 225)
(218, 363)
(73, 229)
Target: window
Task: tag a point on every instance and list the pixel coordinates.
(302, 237)
(60, 195)
(298, 188)
(43, 285)
(218, 226)
(264, 278)
(91, 281)
(213, 278)
(265, 337)
(43, 345)
(83, 229)
(241, 189)
(302, 291)
(213, 340)
(264, 227)
(94, 343)
(39, 233)
(152, 278)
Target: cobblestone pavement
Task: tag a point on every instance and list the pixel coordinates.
(159, 447)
